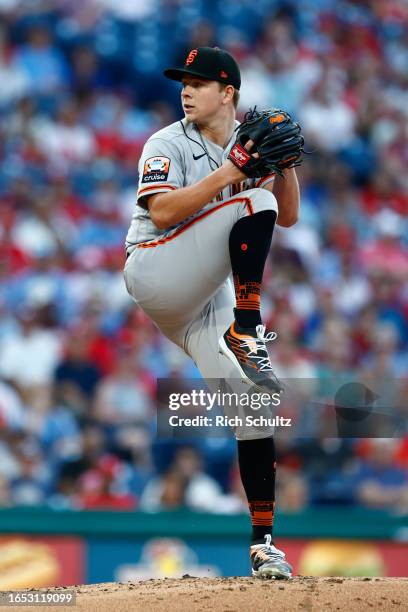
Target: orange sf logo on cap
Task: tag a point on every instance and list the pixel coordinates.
(276, 118)
(191, 57)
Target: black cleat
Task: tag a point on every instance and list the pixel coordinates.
(246, 348)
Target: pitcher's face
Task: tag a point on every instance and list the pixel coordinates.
(202, 99)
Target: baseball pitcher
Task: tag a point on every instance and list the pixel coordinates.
(210, 192)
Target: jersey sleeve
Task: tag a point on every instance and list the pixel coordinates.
(160, 169)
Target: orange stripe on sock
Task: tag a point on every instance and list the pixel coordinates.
(262, 513)
(247, 294)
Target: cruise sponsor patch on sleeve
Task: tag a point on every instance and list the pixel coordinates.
(156, 169)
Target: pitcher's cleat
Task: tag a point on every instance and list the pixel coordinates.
(269, 562)
(246, 348)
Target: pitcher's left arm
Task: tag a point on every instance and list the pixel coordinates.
(287, 194)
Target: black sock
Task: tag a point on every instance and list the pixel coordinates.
(249, 244)
(257, 466)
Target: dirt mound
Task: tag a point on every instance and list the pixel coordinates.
(236, 594)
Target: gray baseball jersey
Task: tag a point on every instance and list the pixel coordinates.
(181, 277)
(178, 156)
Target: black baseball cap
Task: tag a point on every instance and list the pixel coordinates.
(208, 63)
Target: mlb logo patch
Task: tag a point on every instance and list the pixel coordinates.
(156, 169)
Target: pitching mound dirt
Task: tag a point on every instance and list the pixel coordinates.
(236, 594)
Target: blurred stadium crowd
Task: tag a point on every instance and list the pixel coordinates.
(81, 90)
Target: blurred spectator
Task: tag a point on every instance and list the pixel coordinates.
(353, 291)
(28, 357)
(14, 81)
(131, 10)
(167, 494)
(383, 194)
(378, 482)
(323, 109)
(60, 434)
(43, 63)
(100, 487)
(387, 254)
(123, 397)
(31, 485)
(5, 493)
(291, 363)
(326, 460)
(291, 491)
(87, 75)
(38, 233)
(75, 373)
(12, 414)
(64, 141)
(201, 492)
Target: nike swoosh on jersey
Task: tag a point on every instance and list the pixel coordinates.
(196, 157)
